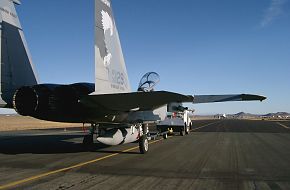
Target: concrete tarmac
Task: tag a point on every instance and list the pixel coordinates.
(217, 154)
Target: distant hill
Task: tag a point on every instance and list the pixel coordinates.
(250, 115)
(242, 115)
(278, 114)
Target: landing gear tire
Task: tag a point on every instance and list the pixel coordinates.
(88, 140)
(143, 144)
(165, 136)
(182, 132)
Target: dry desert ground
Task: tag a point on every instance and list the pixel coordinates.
(16, 123)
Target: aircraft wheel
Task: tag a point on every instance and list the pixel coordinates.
(143, 144)
(88, 140)
(165, 136)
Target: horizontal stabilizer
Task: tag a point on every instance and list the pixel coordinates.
(135, 101)
(225, 98)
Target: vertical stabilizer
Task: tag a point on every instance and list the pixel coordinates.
(16, 67)
(111, 74)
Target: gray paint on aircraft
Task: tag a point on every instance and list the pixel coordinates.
(16, 66)
(111, 73)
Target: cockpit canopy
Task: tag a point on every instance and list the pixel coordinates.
(148, 82)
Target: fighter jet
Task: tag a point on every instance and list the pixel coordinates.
(117, 114)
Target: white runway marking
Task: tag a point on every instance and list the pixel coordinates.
(205, 125)
(282, 125)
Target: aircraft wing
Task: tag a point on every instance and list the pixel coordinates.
(135, 101)
(224, 98)
(143, 101)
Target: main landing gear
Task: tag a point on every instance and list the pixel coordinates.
(143, 140)
(143, 144)
(119, 135)
(88, 139)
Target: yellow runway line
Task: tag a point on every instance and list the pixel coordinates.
(29, 179)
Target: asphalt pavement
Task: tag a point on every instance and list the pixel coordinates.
(217, 154)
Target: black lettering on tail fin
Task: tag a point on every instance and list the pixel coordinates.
(111, 73)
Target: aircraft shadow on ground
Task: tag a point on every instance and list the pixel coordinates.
(50, 144)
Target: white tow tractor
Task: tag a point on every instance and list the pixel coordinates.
(177, 121)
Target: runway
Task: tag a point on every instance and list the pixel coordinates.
(217, 154)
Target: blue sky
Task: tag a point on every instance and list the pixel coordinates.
(197, 46)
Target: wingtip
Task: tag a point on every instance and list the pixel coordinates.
(247, 97)
(263, 98)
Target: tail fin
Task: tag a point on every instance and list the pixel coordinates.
(111, 74)
(16, 67)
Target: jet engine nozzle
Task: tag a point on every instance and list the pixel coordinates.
(25, 101)
(29, 100)
(49, 101)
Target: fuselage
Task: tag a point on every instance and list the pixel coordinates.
(61, 103)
